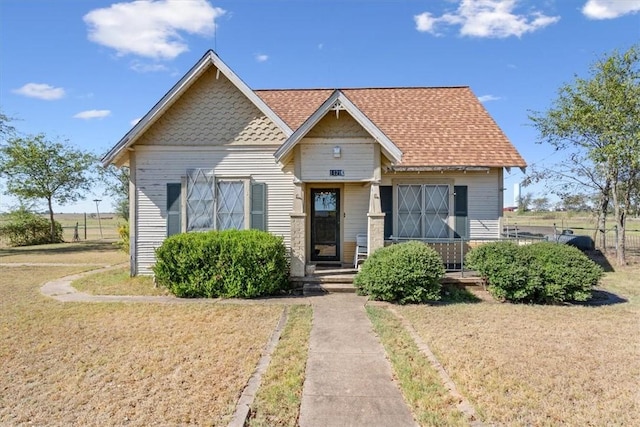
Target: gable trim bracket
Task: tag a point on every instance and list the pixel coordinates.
(209, 59)
(337, 102)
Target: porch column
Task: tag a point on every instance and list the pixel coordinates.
(298, 232)
(375, 219)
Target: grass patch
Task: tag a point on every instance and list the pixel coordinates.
(86, 252)
(542, 365)
(277, 402)
(118, 282)
(116, 363)
(420, 383)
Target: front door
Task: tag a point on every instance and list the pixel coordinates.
(325, 224)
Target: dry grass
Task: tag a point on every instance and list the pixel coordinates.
(112, 364)
(420, 383)
(89, 252)
(118, 282)
(542, 365)
(277, 402)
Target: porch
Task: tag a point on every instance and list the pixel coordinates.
(325, 280)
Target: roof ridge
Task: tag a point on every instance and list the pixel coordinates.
(361, 88)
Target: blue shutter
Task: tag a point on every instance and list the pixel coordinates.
(386, 204)
(258, 206)
(460, 209)
(174, 221)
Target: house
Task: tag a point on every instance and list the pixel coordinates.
(315, 166)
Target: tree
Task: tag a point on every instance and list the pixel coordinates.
(540, 204)
(36, 168)
(524, 201)
(5, 128)
(597, 119)
(117, 183)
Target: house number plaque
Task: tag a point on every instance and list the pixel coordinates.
(336, 172)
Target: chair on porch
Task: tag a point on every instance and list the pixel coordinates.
(362, 249)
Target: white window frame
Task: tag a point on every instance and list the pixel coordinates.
(396, 205)
(246, 207)
(215, 180)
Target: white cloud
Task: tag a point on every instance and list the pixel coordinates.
(486, 18)
(609, 9)
(92, 114)
(142, 67)
(40, 91)
(487, 98)
(151, 28)
(135, 121)
(262, 57)
(425, 22)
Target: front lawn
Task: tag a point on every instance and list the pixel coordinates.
(117, 363)
(542, 365)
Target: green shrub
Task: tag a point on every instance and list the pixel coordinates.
(123, 232)
(563, 272)
(538, 273)
(24, 228)
(229, 264)
(404, 273)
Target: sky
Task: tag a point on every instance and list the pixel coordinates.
(85, 71)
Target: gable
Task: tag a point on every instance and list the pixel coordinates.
(341, 125)
(118, 154)
(212, 112)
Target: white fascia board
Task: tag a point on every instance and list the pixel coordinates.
(390, 149)
(209, 59)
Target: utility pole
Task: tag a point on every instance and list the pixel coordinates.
(98, 211)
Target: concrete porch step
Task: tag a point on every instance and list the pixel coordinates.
(317, 288)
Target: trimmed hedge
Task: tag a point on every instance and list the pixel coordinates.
(404, 273)
(543, 272)
(228, 264)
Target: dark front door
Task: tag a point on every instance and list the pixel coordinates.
(325, 224)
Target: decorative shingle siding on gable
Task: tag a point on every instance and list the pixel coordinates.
(213, 112)
(342, 126)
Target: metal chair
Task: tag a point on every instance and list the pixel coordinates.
(362, 249)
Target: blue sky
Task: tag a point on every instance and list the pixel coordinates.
(86, 70)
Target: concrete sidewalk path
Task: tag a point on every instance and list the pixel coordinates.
(348, 378)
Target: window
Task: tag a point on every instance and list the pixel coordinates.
(219, 203)
(230, 205)
(200, 185)
(423, 211)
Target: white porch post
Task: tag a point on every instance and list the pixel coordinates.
(375, 216)
(298, 232)
(375, 219)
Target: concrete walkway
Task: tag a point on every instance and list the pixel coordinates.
(348, 378)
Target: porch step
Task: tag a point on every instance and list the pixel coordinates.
(310, 289)
(327, 280)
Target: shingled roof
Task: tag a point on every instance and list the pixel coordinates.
(432, 126)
